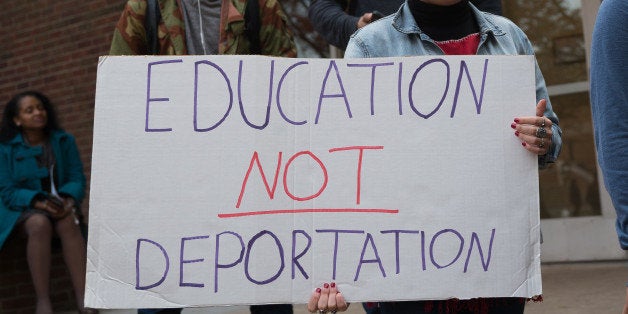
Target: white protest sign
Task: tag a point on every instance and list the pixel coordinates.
(245, 179)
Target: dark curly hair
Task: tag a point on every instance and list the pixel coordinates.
(8, 129)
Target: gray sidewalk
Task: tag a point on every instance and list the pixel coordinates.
(573, 288)
(579, 288)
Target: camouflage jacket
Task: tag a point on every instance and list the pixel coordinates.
(129, 37)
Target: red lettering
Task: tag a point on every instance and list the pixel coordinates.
(269, 190)
(285, 176)
(359, 175)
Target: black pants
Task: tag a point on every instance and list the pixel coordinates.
(271, 309)
(159, 311)
(255, 309)
(473, 306)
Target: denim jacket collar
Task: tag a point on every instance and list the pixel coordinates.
(404, 22)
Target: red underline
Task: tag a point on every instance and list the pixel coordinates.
(312, 210)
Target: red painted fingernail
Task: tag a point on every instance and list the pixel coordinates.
(333, 284)
(326, 285)
(516, 133)
(513, 125)
(318, 290)
(517, 120)
(524, 144)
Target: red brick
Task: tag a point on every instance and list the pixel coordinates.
(56, 53)
(25, 289)
(20, 302)
(8, 292)
(15, 277)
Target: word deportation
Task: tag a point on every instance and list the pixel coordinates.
(448, 241)
(331, 88)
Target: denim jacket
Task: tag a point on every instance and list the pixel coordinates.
(399, 35)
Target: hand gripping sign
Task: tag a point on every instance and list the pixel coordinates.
(245, 179)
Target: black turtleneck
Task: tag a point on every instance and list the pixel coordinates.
(444, 22)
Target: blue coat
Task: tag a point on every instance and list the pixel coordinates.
(20, 177)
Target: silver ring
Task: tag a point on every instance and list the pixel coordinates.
(542, 122)
(321, 312)
(542, 144)
(541, 132)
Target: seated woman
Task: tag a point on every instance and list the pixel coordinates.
(41, 186)
(455, 27)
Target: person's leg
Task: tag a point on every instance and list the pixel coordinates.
(507, 305)
(271, 309)
(413, 307)
(74, 254)
(159, 311)
(370, 307)
(38, 230)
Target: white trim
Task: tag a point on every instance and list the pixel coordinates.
(569, 88)
(580, 239)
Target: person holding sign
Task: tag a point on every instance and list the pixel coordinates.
(41, 187)
(457, 27)
(207, 27)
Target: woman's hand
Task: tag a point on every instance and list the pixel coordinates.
(49, 205)
(534, 132)
(58, 208)
(327, 299)
(365, 19)
(68, 203)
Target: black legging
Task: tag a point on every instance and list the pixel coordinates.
(473, 306)
(271, 309)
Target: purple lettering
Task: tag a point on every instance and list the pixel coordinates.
(270, 97)
(283, 115)
(478, 103)
(423, 250)
(369, 239)
(373, 66)
(295, 258)
(248, 253)
(148, 97)
(137, 265)
(434, 240)
(399, 80)
(440, 103)
(217, 264)
(397, 232)
(336, 233)
(343, 94)
(474, 236)
(224, 75)
(183, 261)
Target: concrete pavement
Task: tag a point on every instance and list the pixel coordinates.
(573, 288)
(582, 288)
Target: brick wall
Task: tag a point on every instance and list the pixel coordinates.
(51, 46)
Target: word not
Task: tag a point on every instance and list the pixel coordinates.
(332, 75)
(299, 248)
(271, 190)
